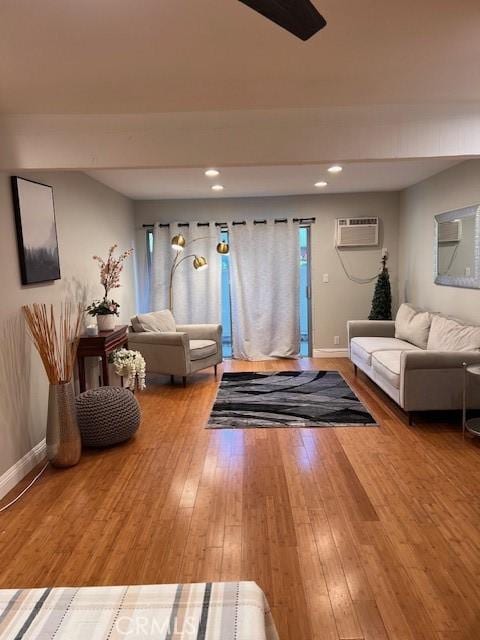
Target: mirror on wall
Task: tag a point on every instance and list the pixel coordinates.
(457, 248)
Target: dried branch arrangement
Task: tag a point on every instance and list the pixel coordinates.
(57, 347)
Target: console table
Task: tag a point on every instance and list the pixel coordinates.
(99, 346)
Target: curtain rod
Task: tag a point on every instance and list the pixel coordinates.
(225, 224)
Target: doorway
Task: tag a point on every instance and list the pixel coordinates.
(305, 311)
(305, 293)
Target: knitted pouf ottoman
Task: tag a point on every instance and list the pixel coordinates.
(107, 416)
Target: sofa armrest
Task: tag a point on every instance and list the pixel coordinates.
(370, 329)
(202, 331)
(164, 338)
(438, 359)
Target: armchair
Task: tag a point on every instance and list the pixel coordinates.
(178, 351)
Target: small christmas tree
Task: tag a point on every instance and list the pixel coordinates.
(382, 298)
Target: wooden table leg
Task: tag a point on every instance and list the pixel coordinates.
(105, 376)
(81, 374)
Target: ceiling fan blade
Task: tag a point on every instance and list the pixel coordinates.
(299, 17)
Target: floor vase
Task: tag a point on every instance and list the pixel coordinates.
(64, 446)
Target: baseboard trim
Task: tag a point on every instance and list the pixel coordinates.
(330, 353)
(19, 470)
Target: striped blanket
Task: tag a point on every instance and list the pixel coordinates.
(211, 611)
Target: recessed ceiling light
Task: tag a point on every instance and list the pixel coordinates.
(217, 187)
(336, 168)
(321, 183)
(212, 173)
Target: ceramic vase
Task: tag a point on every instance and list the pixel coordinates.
(106, 322)
(64, 446)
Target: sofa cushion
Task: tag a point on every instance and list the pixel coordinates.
(413, 325)
(200, 349)
(387, 365)
(362, 348)
(155, 321)
(447, 334)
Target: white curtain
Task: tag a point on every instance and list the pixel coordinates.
(162, 258)
(265, 275)
(196, 294)
(142, 272)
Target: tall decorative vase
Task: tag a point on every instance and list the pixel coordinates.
(106, 322)
(64, 446)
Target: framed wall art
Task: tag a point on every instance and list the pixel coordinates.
(36, 231)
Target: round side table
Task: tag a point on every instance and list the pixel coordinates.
(472, 425)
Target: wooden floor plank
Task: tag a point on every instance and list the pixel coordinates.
(353, 533)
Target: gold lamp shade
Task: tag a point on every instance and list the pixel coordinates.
(200, 262)
(223, 248)
(178, 242)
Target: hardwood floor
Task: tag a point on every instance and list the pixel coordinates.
(353, 533)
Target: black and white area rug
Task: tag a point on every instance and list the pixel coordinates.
(287, 399)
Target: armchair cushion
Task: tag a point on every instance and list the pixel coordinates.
(154, 321)
(200, 349)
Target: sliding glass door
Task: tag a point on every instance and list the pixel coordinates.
(305, 298)
(305, 293)
(226, 302)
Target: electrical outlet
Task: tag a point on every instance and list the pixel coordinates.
(325, 278)
(384, 252)
(468, 272)
(336, 339)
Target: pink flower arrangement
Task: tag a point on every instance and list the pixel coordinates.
(111, 268)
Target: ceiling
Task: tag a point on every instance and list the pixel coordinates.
(121, 56)
(150, 184)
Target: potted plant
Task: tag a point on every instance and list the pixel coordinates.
(106, 309)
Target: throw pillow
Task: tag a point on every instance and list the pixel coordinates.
(449, 335)
(413, 325)
(154, 322)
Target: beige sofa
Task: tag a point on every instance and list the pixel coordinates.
(418, 359)
(175, 349)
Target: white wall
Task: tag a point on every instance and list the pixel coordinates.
(333, 303)
(456, 187)
(90, 218)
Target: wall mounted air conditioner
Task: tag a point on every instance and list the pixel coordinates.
(356, 232)
(449, 231)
